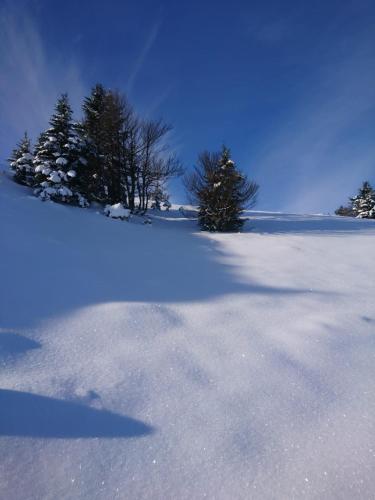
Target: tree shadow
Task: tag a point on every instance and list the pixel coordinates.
(30, 415)
(12, 344)
(274, 223)
(69, 258)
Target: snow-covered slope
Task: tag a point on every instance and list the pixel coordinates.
(155, 361)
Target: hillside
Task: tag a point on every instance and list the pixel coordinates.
(156, 361)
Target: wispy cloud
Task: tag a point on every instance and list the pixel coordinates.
(322, 152)
(31, 79)
(147, 46)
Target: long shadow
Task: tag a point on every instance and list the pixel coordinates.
(29, 415)
(12, 344)
(66, 259)
(273, 223)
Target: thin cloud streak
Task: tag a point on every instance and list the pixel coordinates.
(31, 79)
(152, 36)
(316, 156)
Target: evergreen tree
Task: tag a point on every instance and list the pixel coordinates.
(364, 203)
(93, 133)
(106, 129)
(59, 159)
(116, 115)
(221, 191)
(21, 162)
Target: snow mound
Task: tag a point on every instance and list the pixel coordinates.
(117, 211)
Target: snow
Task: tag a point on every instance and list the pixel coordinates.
(161, 362)
(64, 191)
(117, 211)
(26, 157)
(55, 177)
(61, 161)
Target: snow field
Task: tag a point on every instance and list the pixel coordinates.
(160, 362)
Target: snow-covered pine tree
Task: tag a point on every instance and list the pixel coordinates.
(221, 191)
(59, 159)
(39, 152)
(21, 162)
(364, 203)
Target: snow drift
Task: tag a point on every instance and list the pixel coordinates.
(160, 362)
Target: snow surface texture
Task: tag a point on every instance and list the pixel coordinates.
(160, 362)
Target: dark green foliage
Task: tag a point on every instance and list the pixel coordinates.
(92, 131)
(102, 127)
(221, 192)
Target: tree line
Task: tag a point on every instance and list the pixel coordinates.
(110, 156)
(113, 156)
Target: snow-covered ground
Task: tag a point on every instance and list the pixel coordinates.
(155, 361)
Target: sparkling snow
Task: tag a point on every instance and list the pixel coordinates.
(160, 362)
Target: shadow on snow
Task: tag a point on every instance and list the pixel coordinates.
(29, 415)
(12, 344)
(58, 259)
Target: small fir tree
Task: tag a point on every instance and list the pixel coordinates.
(21, 162)
(59, 159)
(364, 203)
(221, 191)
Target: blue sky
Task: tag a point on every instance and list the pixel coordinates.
(287, 85)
